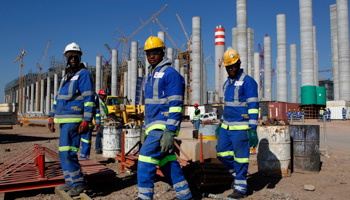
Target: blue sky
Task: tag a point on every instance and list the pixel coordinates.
(91, 24)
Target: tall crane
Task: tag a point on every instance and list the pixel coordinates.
(105, 75)
(39, 76)
(125, 42)
(20, 80)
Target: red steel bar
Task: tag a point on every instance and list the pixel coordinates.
(41, 162)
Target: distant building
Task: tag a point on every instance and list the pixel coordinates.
(328, 84)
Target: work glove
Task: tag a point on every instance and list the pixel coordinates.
(167, 141)
(253, 138)
(98, 128)
(143, 136)
(51, 125)
(83, 127)
(217, 131)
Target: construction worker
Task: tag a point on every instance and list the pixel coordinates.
(104, 118)
(164, 93)
(86, 138)
(240, 114)
(298, 115)
(73, 110)
(289, 114)
(196, 116)
(328, 115)
(321, 114)
(302, 113)
(344, 114)
(294, 115)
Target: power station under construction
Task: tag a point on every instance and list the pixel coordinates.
(35, 92)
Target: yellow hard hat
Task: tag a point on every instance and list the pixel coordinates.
(153, 43)
(231, 56)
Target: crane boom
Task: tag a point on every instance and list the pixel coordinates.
(166, 32)
(20, 80)
(183, 28)
(39, 75)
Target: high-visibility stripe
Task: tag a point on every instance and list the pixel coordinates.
(231, 153)
(167, 159)
(148, 159)
(91, 125)
(175, 109)
(89, 104)
(146, 190)
(68, 148)
(86, 141)
(68, 120)
(253, 111)
(55, 102)
(156, 126)
(235, 128)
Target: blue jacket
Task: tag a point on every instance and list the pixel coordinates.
(97, 114)
(75, 99)
(164, 94)
(241, 103)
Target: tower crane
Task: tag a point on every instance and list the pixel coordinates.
(39, 76)
(105, 75)
(20, 80)
(125, 42)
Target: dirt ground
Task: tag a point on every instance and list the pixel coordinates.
(332, 182)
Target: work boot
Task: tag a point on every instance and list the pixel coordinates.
(65, 187)
(76, 190)
(84, 157)
(98, 152)
(237, 195)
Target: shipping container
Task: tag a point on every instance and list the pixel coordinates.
(336, 108)
(280, 109)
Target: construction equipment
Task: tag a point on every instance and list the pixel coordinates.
(39, 76)
(125, 41)
(20, 80)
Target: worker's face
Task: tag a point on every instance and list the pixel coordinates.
(232, 70)
(155, 56)
(102, 97)
(73, 59)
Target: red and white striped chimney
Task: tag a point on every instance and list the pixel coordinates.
(219, 52)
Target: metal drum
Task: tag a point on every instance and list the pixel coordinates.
(306, 148)
(274, 152)
(111, 141)
(132, 136)
(208, 131)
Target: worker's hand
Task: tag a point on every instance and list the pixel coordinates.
(51, 125)
(167, 141)
(143, 136)
(253, 138)
(83, 127)
(217, 131)
(98, 128)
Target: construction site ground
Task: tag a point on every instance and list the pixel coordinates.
(332, 182)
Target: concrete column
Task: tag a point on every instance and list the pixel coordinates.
(102, 78)
(32, 97)
(37, 100)
(267, 70)
(334, 42)
(98, 74)
(282, 58)
(196, 61)
(114, 75)
(146, 65)
(55, 85)
(27, 99)
(241, 6)
(177, 65)
(220, 71)
(126, 84)
(63, 73)
(24, 100)
(42, 96)
(314, 42)
(343, 49)
(129, 78)
(170, 55)
(204, 86)
(234, 40)
(17, 92)
(250, 43)
(257, 72)
(306, 43)
(134, 53)
(161, 35)
(48, 95)
(293, 74)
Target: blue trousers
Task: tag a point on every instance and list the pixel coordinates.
(233, 151)
(196, 124)
(68, 148)
(86, 143)
(150, 156)
(98, 142)
(344, 117)
(321, 118)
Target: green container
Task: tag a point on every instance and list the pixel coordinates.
(308, 95)
(321, 95)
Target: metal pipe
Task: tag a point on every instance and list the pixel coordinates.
(282, 59)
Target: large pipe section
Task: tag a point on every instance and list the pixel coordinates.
(134, 54)
(48, 96)
(267, 70)
(306, 43)
(343, 49)
(241, 6)
(250, 43)
(334, 42)
(114, 74)
(234, 38)
(196, 61)
(282, 88)
(98, 73)
(293, 74)
(219, 52)
(257, 72)
(315, 55)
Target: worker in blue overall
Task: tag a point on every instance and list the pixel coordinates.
(289, 114)
(298, 115)
(86, 138)
(321, 114)
(328, 115)
(240, 114)
(344, 114)
(164, 94)
(73, 109)
(294, 115)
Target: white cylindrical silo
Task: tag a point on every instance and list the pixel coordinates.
(250, 43)
(204, 86)
(48, 95)
(306, 43)
(161, 35)
(196, 61)
(27, 99)
(126, 89)
(146, 64)
(134, 53)
(257, 72)
(42, 96)
(177, 65)
(220, 71)
(241, 6)
(32, 97)
(114, 75)
(98, 74)
(182, 72)
(334, 42)
(37, 100)
(293, 74)
(55, 85)
(282, 58)
(129, 79)
(234, 39)
(267, 70)
(170, 55)
(314, 42)
(343, 49)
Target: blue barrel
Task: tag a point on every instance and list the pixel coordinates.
(305, 148)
